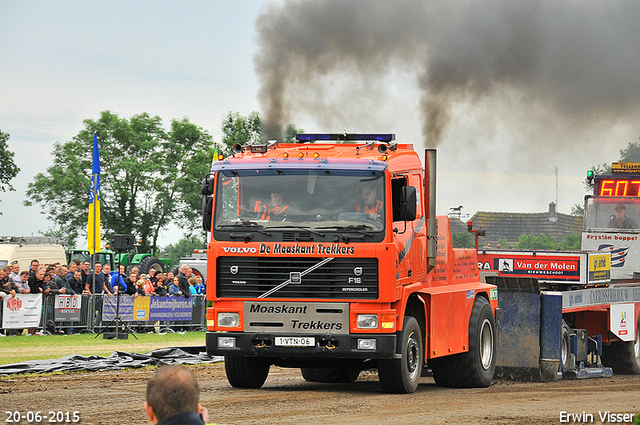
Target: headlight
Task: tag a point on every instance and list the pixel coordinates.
(228, 320)
(367, 321)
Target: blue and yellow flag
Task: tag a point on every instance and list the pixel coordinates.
(93, 235)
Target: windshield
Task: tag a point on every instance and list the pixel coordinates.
(612, 214)
(320, 201)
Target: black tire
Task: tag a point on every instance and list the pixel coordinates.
(332, 376)
(402, 375)
(476, 367)
(149, 263)
(565, 344)
(623, 357)
(197, 273)
(246, 372)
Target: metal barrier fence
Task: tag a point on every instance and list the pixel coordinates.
(92, 319)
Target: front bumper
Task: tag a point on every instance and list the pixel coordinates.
(326, 346)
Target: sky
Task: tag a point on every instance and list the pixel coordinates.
(65, 61)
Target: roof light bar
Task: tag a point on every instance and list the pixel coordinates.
(310, 137)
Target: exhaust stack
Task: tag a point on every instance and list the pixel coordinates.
(430, 163)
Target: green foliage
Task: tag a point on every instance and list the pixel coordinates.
(149, 178)
(577, 210)
(242, 129)
(183, 248)
(462, 240)
(531, 241)
(8, 169)
(504, 244)
(631, 153)
(572, 242)
(237, 128)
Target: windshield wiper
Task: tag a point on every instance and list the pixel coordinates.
(360, 228)
(249, 225)
(291, 226)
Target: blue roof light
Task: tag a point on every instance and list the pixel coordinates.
(310, 137)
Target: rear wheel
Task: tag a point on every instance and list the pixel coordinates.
(149, 263)
(330, 375)
(476, 367)
(623, 357)
(402, 375)
(246, 372)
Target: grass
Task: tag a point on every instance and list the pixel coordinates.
(16, 349)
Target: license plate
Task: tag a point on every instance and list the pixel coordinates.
(291, 341)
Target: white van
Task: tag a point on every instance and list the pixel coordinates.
(25, 249)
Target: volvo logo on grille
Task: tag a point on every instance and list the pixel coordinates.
(295, 277)
(233, 269)
(357, 271)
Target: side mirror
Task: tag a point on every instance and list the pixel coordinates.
(207, 185)
(207, 213)
(408, 205)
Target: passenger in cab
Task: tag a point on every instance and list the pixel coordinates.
(620, 220)
(370, 204)
(274, 210)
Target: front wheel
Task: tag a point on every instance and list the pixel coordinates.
(246, 372)
(402, 375)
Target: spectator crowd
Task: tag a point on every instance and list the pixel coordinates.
(77, 278)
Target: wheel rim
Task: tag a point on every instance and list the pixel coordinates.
(413, 356)
(486, 344)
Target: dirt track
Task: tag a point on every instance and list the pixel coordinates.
(117, 397)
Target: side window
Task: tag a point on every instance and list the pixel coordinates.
(397, 183)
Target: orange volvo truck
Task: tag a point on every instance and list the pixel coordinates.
(326, 255)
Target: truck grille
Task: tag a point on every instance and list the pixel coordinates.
(336, 278)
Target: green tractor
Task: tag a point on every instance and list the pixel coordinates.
(144, 262)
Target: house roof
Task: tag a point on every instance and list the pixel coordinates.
(509, 226)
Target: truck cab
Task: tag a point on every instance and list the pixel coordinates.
(612, 219)
(323, 257)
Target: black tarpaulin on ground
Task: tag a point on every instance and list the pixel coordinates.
(117, 360)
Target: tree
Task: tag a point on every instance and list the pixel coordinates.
(530, 241)
(503, 243)
(184, 247)
(149, 177)
(237, 128)
(577, 210)
(240, 129)
(572, 242)
(462, 240)
(8, 168)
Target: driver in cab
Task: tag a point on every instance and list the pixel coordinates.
(370, 205)
(272, 211)
(620, 219)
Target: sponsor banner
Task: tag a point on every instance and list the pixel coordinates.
(22, 311)
(600, 296)
(141, 308)
(149, 308)
(624, 250)
(67, 308)
(170, 308)
(599, 268)
(125, 311)
(622, 319)
(546, 268)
